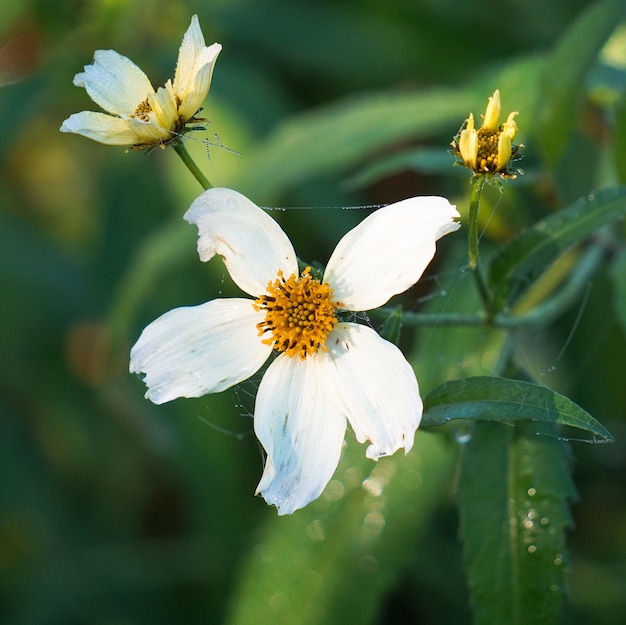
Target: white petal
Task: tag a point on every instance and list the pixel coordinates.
(189, 352)
(164, 107)
(149, 132)
(114, 82)
(101, 127)
(190, 48)
(251, 243)
(376, 387)
(388, 251)
(194, 70)
(196, 91)
(300, 430)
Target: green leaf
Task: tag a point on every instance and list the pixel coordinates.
(487, 398)
(618, 275)
(514, 488)
(524, 258)
(163, 249)
(422, 160)
(331, 139)
(333, 561)
(564, 73)
(619, 141)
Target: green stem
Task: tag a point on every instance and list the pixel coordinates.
(181, 150)
(432, 319)
(472, 248)
(542, 314)
(551, 308)
(477, 187)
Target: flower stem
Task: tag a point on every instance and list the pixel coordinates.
(181, 150)
(472, 250)
(544, 313)
(432, 319)
(550, 309)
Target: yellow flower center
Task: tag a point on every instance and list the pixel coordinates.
(143, 110)
(299, 314)
(487, 156)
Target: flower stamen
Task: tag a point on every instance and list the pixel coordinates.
(299, 314)
(143, 111)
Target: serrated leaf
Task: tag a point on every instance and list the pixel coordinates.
(565, 72)
(332, 562)
(488, 398)
(526, 256)
(514, 488)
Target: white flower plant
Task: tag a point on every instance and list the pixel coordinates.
(325, 370)
(328, 370)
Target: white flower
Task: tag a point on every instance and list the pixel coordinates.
(329, 370)
(139, 116)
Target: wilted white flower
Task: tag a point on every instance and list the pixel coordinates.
(139, 115)
(328, 371)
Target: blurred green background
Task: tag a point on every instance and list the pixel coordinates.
(117, 512)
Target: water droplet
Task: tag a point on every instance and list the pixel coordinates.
(558, 560)
(384, 471)
(463, 434)
(411, 480)
(532, 492)
(373, 525)
(316, 531)
(335, 490)
(462, 438)
(545, 520)
(490, 359)
(368, 564)
(280, 601)
(532, 548)
(372, 486)
(352, 478)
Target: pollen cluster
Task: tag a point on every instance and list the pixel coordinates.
(299, 314)
(487, 154)
(143, 110)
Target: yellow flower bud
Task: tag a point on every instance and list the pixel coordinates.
(489, 149)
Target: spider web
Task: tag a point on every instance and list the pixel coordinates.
(438, 290)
